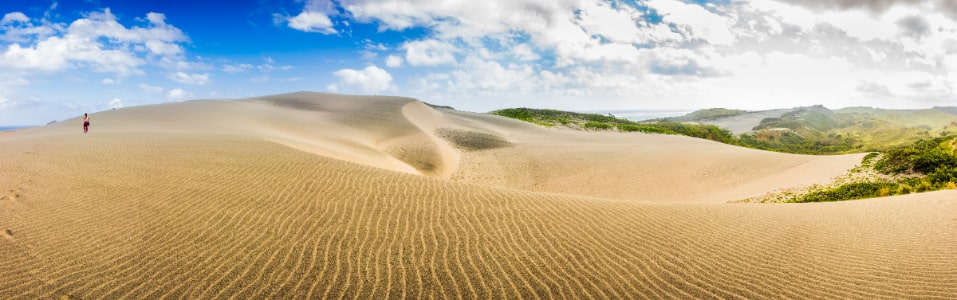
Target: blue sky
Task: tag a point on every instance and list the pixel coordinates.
(59, 59)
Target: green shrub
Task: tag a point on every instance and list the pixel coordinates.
(924, 156)
(596, 125)
(904, 189)
(857, 190)
(925, 186)
(521, 113)
(943, 175)
(643, 128)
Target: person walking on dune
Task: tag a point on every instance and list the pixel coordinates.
(86, 123)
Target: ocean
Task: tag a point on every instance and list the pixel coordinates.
(8, 128)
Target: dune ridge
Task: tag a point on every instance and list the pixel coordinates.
(310, 195)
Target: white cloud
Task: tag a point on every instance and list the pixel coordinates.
(177, 95)
(163, 48)
(312, 21)
(524, 53)
(617, 25)
(55, 53)
(194, 79)
(108, 81)
(97, 42)
(696, 54)
(491, 78)
(115, 103)
(156, 18)
(270, 66)
(372, 80)
(429, 53)
(239, 68)
(695, 21)
(14, 17)
(8, 88)
(151, 88)
(788, 14)
(393, 61)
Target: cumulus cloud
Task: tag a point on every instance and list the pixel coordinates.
(98, 42)
(315, 17)
(690, 52)
(695, 21)
(312, 22)
(491, 78)
(194, 79)
(617, 25)
(14, 17)
(115, 103)
(874, 5)
(915, 26)
(178, 95)
(429, 52)
(372, 80)
(524, 53)
(393, 61)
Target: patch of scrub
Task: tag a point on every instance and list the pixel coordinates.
(471, 140)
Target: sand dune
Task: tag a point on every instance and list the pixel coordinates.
(746, 122)
(312, 195)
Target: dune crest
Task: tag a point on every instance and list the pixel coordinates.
(310, 195)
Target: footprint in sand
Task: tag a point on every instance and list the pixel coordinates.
(13, 195)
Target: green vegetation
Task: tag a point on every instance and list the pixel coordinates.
(551, 117)
(807, 130)
(439, 106)
(935, 158)
(818, 130)
(912, 160)
(707, 114)
(926, 165)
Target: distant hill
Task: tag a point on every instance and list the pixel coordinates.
(947, 109)
(708, 114)
(806, 130)
(587, 121)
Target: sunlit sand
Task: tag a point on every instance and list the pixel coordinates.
(311, 195)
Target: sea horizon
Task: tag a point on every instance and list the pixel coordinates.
(11, 128)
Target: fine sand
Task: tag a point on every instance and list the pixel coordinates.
(310, 195)
(4, 134)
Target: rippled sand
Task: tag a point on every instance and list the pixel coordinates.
(311, 195)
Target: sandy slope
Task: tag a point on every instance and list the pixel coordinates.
(313, 195)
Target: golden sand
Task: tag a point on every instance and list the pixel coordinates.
(4, 134)
(316, 196)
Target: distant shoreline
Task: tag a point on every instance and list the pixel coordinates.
(13, 128)
(6, 131)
